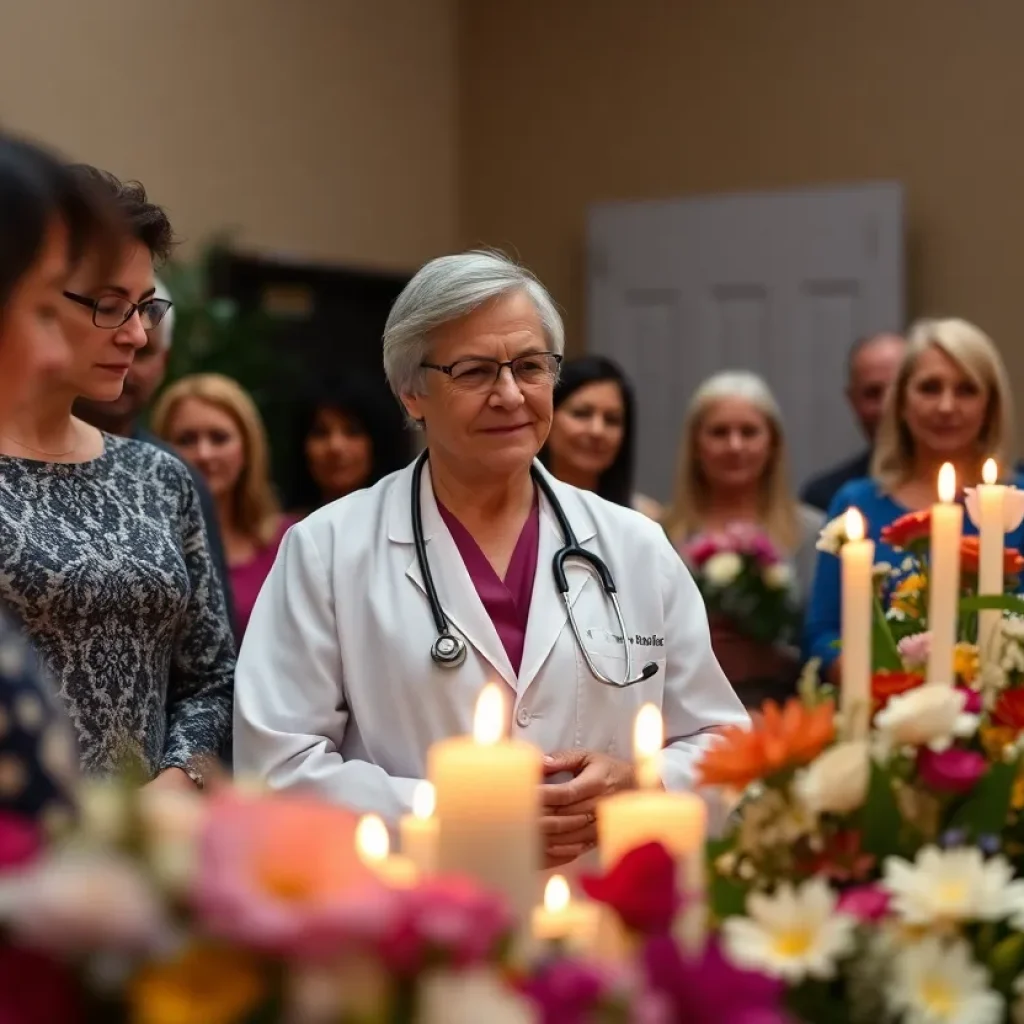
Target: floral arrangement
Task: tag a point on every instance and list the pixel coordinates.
(744, 580)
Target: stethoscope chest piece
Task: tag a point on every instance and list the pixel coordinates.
(448, 651)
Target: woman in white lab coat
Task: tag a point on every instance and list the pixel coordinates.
(338, 691)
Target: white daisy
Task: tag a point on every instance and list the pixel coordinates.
(832, 536)
(952, 886)
(792, 934)
(936, 983)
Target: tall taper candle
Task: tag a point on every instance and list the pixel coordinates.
(992, 535)
(944, 578)
(857, 556)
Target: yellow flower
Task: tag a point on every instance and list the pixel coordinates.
(907, 595)
(965, 662)
(204, 985)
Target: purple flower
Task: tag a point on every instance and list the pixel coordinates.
(710, 990)
(951, 771)
(864, 902)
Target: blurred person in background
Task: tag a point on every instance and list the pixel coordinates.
(45, 225)
(214, 424)
(103, 552)
(123, 417)
(732, 472)
(350, 434)
(950, 402)
(872, 366)
(593, 433)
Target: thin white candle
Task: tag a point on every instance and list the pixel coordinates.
(488, 804)
(857, 556)
(991, 530)
(418, 831)
(944, 578)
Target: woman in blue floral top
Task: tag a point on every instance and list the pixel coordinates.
(46, 221)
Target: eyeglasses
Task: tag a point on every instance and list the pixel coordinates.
(112, 311)
(536, 369)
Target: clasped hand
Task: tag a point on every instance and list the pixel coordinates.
(569, 809)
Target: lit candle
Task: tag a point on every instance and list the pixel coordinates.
(676, 820)
(991, 509)
(373, 844)
(488, 806)
(857, 556)
(418, 831)
(563, 920)
(944, 578)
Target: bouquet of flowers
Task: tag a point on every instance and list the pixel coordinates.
(743, 579)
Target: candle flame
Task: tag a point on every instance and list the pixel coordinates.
(947, 483)
(648, 733)
(990, 472)
(556, 894)
(853, 525)
(489, 719)
(423, 800)
(373, 844)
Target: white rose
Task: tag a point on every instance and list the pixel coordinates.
(837, 782)
(928, 715)
(778, 576)
(720, 570)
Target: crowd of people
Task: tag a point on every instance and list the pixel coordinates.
(145, 545)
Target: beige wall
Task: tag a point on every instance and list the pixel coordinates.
(322, 127)
(581, 100)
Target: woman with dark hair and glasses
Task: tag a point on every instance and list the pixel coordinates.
(593, 431)
(349, 434)
(44, 226)
(103, 552)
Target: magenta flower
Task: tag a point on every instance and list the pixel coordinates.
(700, 549)
(972, 700)
(708, 989)
(20, 841)
(951, 771)
(282, 874)
(568, 991)
(445, 920)
(864, 902)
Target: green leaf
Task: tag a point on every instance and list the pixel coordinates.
(984, 813)
(884, 654)
(1007, 959)
(726, 896)
(880, 818)
(999, 602)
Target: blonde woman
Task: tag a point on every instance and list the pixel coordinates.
(732, 472)
(216, 426)
(950, 402)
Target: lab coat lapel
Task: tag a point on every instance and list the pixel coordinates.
(455, 589)
(548, 616)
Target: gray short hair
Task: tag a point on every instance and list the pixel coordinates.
(446, 289)
(166, 327)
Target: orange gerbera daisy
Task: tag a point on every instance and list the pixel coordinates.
(778, 738)
(970, 558)
(908, 529)
(887, 684)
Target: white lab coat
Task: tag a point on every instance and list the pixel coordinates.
(335, 690)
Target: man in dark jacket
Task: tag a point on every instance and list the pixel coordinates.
(872, 366)
(122, 416)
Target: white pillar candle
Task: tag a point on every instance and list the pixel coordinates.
(418, 831)
(857, 556)
(676, 820)
(563, 920)
(991, 537)
(488, 806)
(944, 578)
(373, 844)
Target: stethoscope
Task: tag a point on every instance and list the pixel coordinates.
(449, 651)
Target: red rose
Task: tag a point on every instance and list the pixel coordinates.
(640, 888)
(886, 685)
(1009, 710)
(970, 558)
(908, 529)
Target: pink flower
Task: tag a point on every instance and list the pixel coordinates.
(864, 902)
(914, 649)
(447, 920)
(283, 874)
(20, 841)
(700, 549)
(951, 771)
(972, 700)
